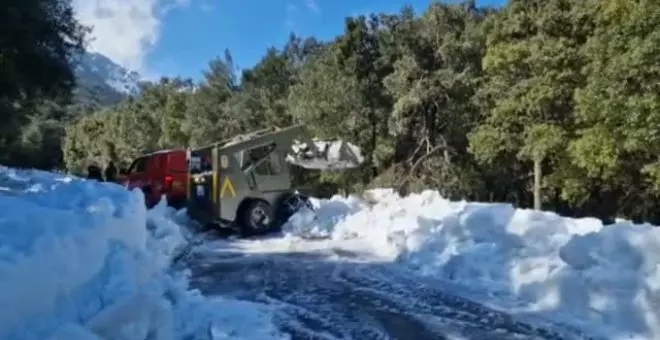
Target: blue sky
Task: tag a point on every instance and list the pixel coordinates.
(179, 37)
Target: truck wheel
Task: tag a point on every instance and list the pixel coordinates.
(257, 218)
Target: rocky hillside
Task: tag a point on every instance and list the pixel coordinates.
(102, 82)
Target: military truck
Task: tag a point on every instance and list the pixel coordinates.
(244, 182)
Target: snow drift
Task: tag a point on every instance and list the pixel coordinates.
(602, 279)
(85, 260)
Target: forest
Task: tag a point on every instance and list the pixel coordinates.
(546, 104)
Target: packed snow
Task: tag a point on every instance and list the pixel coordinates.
(85, 260)
(604, 279)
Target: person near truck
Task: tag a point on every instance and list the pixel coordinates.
(94, 172)
(111, 172)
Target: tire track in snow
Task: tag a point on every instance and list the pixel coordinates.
(324, 299)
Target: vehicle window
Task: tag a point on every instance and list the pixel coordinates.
(269, 163)
(200, 161)
(140, 165)
(269, 167)
(239, 157)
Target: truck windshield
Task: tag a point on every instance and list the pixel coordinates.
(139, 165)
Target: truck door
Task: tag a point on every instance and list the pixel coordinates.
(156, 173)
(136, 173)
(201, 193)
(176, 173)
(265, 167)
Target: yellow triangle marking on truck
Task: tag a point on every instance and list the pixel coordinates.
(215, 186)
(227, 184)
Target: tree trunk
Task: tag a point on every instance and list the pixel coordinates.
(537, 184)
(374, 141)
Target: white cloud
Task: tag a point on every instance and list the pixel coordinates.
(206, 7)
(124, 30)
(292, 11)
(313, 6)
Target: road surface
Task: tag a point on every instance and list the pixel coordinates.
(329, 298)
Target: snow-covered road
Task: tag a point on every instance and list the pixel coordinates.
(333, 294)
(85, 260)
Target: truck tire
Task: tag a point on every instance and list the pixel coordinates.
(256, 218)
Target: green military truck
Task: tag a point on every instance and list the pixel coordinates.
(244, 182)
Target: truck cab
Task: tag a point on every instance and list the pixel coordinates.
(159, 173)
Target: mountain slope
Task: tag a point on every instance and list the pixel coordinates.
(102, 82)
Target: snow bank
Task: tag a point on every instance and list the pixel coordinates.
(85, 260)
(603, 279)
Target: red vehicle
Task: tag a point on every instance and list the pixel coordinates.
(159, 173)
